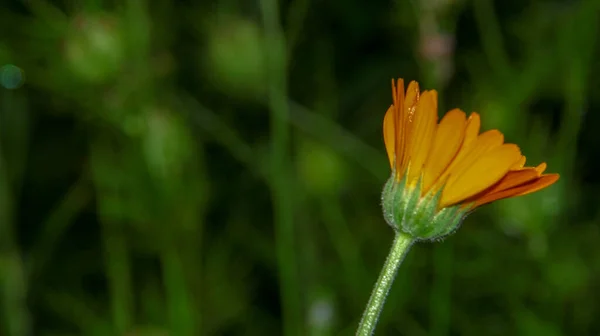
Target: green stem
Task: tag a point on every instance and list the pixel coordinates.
(283, 210)
(178, 297)
(119, 275)
(343, 240)
(13, 285)
(400, 247)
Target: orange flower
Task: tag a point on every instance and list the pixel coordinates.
(450, 160)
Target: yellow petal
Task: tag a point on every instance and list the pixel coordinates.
(389, 135)
(519, 164)
(412, 98)
(470, 138)
(513, 178)
(400, 137)
(543, 182)
(472, 131)
(488, 169)
(447, 141)
(541, 168)
(471, 152)
(423, 130)
(407, 115)
(524, 189)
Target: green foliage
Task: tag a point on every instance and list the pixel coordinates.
(215, 167)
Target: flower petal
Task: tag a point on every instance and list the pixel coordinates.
(407, 116)
(519, 164)
(470, 138)
(524, 189)
(389, 132)
(447, 141)
(479, 174)
(541, 168)
(412, 98)
(400, 137)
(543, 182)
(471, 151)
(472, 131)
(513, 178)
(423, 131)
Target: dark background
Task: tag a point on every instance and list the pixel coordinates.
(215, 167)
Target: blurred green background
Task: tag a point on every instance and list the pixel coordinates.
(215, 167)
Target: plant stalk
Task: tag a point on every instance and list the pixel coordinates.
(280, 179)
(400, 247)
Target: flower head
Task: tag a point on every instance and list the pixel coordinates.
(443, 171)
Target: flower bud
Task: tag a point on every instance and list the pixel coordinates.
(320, 168)
(235, 58)
(405, 210)
(94, 48)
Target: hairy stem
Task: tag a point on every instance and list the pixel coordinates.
(400, 247)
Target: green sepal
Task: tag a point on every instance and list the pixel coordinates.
(405, 210)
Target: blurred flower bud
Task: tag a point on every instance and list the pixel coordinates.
(234, 58)
(94, 48)
(320, 168)
(166, 144)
